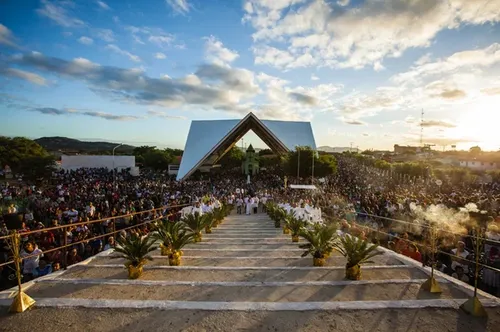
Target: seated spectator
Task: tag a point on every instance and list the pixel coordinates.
(43, 269)
(412, 252)
(460, 275)
(30, 263)
(110, 244)
(73, 257)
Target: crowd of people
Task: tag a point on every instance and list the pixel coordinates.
(357, 194)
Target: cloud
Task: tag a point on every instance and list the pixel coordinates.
(343, 2)
(155, 36)
(314, 77)
(161, 41)
(24, 75)
(353, 121)
(491, 91)
(464, 60)
(118, 50)
(179, 6)
(105, 34)
(70, 111)
(303, 98)
(452, 94)
(160, 56)
(437, 123)
(6, 36)
(219, 88)
(320, 33)
(164, 115)
(58, 13)
(217, 53)
(85, 40)
(103, 5)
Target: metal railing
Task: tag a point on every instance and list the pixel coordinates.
(10, 238)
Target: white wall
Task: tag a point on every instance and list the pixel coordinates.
(75, 162)
(478, 165)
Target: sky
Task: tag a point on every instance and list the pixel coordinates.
(361, 72)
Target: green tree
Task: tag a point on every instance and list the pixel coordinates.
(302, 157)
(25, 156)
(233, 158)
(382, 164)
(157, 159)
(475, 150)
(265, 152)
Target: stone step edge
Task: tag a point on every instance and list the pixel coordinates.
(237, 250)
(250, 306)
(238, 268)
(128, 282)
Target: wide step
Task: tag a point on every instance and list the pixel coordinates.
(353, 292)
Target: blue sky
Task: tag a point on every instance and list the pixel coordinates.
(360, 71)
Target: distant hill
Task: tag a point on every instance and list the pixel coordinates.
(64, 144)
(334, 149)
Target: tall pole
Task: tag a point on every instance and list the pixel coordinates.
(114, 173)
(298, 163)
(312, 175)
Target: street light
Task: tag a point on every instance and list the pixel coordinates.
(114, 173)
(298, 163)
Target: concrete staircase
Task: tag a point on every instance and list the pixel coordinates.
(245, 265)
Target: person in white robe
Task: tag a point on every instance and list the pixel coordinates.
(248, 205)
(197, 209)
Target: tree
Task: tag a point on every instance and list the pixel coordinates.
(302, 157)
(26, 157)
(265, 152)
(475, 150)
(157, 159)
(233, 158)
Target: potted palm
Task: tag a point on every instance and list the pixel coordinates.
(357, 252)
(135, 250)
(180, 236)
(209, 222)
(279, 215)
(219, 214)
(294, 225)
(320, 240)
(196, 223)
(162, 233)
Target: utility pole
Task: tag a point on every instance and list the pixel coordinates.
(351, 147)
(114, 172)
(298, 163)
(422, 129)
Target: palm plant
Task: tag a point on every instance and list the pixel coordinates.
(321, 240)
(135, 250)
(196, 223)
(295, 225)
(279, 215)
(180, 236)
(219, 214)
(357, 252)
(163, 232)
(209, 221)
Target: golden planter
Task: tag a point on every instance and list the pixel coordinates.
(165, 251)
(319, 261)
(295, 238)
(134, 272)
(197, 237)
(175, 258)
(353, 272)
(286, 230)
(208, 230)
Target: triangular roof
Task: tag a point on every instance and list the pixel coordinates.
(250, 148)
(209, 140)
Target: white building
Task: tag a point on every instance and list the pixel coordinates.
(109, 162)
(478, 165)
